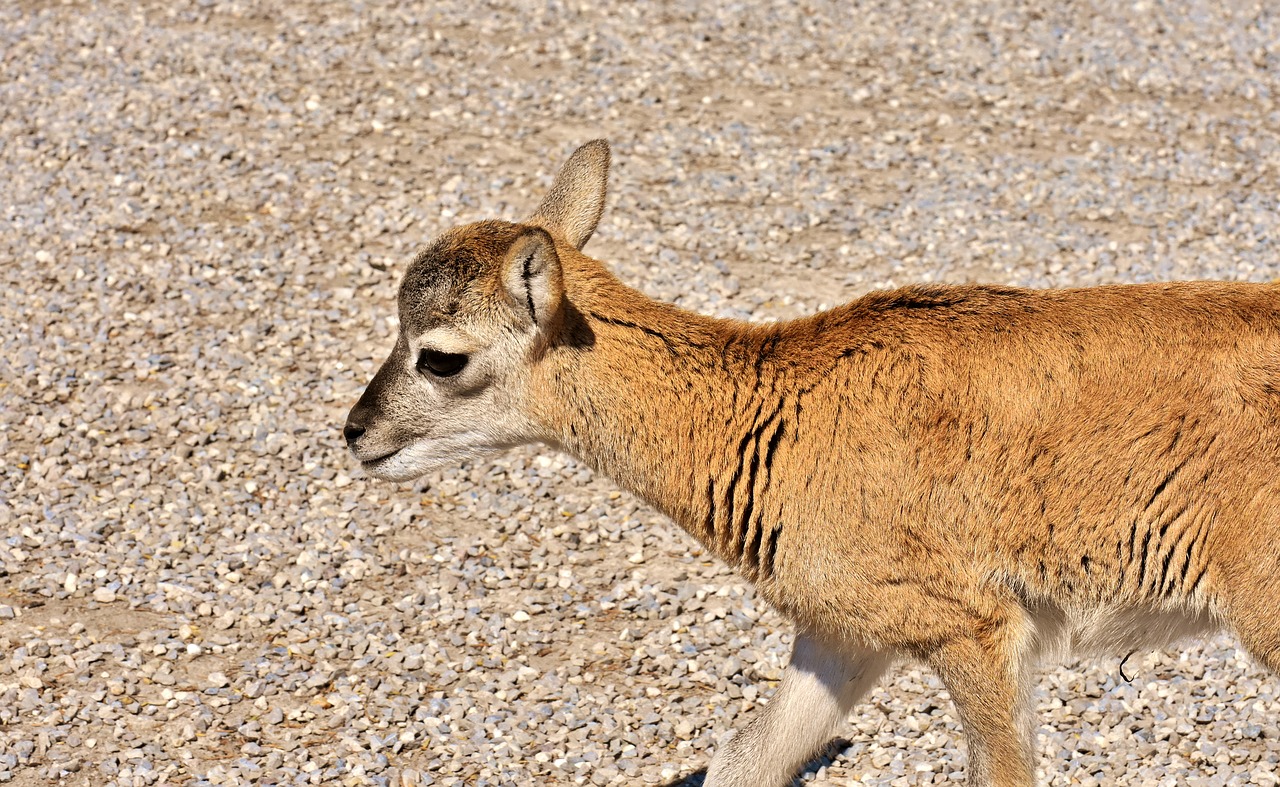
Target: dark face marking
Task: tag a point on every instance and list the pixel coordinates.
(452, 270)
(371, 403)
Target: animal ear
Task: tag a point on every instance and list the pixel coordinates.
(531, 275)
(573, 206)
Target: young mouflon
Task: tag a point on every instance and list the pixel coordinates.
(974, 477)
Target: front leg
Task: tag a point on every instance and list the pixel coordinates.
(989, 676)
(819, 687)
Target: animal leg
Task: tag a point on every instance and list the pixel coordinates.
(818, 688)
(1251, 597)
(989, 674)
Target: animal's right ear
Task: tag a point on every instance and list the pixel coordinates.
(573, 207)
(531, 275)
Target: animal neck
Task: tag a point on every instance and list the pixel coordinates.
(681, 409)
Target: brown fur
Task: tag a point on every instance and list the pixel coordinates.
(921, 449)
(965, 475)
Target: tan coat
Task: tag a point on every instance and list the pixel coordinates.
(971, 476)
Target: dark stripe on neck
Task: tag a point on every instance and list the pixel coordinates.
(635, 326)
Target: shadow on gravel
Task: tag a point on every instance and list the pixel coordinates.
(828, 755)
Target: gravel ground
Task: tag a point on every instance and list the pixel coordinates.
(205, 210)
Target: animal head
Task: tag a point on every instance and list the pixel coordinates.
(477, 307)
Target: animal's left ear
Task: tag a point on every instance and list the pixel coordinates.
(573, 207)
(531, 275)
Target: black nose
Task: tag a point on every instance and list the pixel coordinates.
(352, 432)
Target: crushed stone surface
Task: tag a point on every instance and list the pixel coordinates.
(205, 210)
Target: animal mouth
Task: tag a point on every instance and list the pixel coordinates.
(369, 463)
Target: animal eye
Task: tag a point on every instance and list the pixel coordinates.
(441, 364)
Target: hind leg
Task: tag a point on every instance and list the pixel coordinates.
(818, 689)
(1252, 608)
(1237, 573)
(1241, 583)
(1258, 627)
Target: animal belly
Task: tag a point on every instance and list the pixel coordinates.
(1113, 629)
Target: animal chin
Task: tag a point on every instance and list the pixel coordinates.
(418, 458)
(392, 467)
(408, 461)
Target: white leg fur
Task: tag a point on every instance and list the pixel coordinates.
(819, 687)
